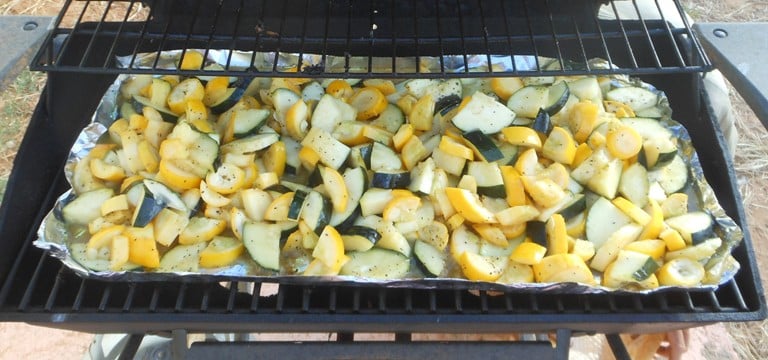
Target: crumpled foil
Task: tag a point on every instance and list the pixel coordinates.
(55, 237)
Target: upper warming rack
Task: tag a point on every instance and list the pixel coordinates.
(376, 38)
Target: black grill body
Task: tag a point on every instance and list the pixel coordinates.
(37, 289)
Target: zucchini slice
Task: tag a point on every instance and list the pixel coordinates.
(316, 212)
(603, 219)
(488, 177)
(165, 195)
(86, 207)
(390, 119)
(542, 123)
(360, 238)
(182, 258)
(297, 204)
(250, 144)
(634, 184)
(483, 114)
(356, 180)
(376, 264)
(430, 259)
(146, 209)
(483, 146)
(248, 121)
(391, 179)
(574, 207)
(139, 102)
(262, 241)
(694, 227)
(230, 98)
(384, 158)
(422, 176)
(557, 98)
(635, 97)
(332, 152)
(673, 177)
(527, 101)
(630, 268)
(330, 112)
(648, 128)
(609, 250)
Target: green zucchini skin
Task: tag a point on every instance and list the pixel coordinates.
(349, 221)
(139, 102)
(237, 93)
(391, 180)
(558, 97)
(649, 268)
(446, 104)
(542, 123)
(363, 232)
(317, 211)
(537, 231)
(294, 209)
(484, 145)
(575, 207)
(146, 210)
(429, 259)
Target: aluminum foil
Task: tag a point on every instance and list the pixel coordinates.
(55, 237)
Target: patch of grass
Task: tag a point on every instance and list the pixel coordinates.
(16, 105)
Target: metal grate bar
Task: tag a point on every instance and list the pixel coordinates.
(31, 286)
(583, 49)
(534, 48)
(440, 37)
(416, 37)
(628, 45)
(461, 33)
(739, 298)
(255, 297)
(303, 36)
(180, 296)
(128, 303)
(89, 48)
(509, 35)
(216, 17)
(555, 41)
(238, 15)
(599, 28)
(105, 298)
(678, 55)
(54, 289)
(68, 39)
(140, 40)
(119, 32)
(78, 303)
(648, 36)
(188, 35)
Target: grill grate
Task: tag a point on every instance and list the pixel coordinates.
(35, 288)
(405, 31)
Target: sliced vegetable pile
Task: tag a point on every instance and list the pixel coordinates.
(508, 180)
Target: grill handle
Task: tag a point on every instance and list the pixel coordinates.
(739, 51)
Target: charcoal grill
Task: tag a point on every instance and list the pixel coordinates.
(79, 58)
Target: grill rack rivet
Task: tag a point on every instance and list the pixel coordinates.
(721, 33)
(30, 25)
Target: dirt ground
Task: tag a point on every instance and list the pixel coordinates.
(735, 340)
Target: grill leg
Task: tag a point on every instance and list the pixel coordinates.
(129, 351)
(617, 347)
